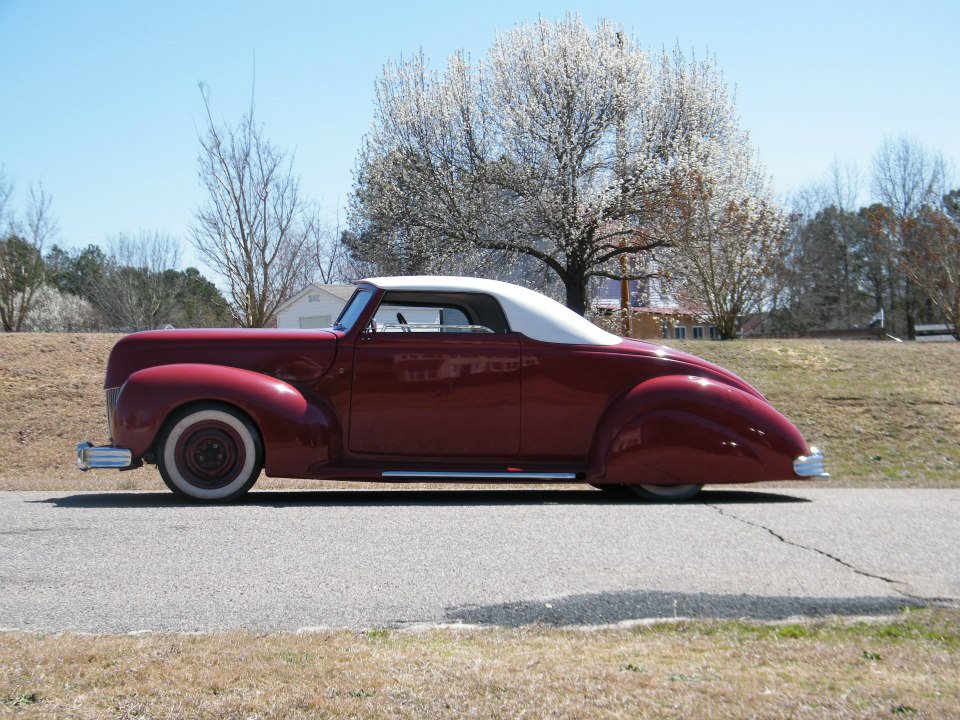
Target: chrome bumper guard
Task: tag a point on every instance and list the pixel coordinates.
(90, 457)
(810, 465)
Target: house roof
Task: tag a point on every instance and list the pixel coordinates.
(528, 312)
(683, 311)
(341, 292)
(666, 310)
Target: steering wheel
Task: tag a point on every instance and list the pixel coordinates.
(403, 322)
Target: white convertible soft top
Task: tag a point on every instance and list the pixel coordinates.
(528, 312)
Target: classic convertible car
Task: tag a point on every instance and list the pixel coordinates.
(440, 379)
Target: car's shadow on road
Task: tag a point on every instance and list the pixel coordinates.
(618, 606)
(416, 498)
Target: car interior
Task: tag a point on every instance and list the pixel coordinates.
(416, 312)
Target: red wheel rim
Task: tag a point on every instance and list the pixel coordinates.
(210, 454)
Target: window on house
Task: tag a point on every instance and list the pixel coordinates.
(698, 332)
(313, 298)
(680, 332)
(315, 321)
(714, 333)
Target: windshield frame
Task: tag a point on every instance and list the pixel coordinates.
(353, 310)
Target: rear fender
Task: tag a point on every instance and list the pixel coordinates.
(681, 429)
(296, 433)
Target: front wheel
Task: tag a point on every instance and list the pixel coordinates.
(665, 493)
(211, 453)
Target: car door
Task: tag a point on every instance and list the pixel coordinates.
(421, 391)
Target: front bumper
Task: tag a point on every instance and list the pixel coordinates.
(809, 466)
(90, 457)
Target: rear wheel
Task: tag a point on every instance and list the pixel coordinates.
(210, 452)
(665, 493)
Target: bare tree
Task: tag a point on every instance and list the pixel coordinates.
(140, 287)
(906, 179)
(843, 193)
(931, 259)
(6, 189)
(255, 229)
(822, 283)
(22, 269)
(563, 146)
(726, 247)
(330, 253)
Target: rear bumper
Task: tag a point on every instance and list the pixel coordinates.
(811, 466)
(90, 457)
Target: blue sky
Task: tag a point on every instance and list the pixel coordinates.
(100, 99)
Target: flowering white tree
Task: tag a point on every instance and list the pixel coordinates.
(22, 270)
(56, 311)
(565, 145)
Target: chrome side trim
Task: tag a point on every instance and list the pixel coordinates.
(90, 457)
(431, 327)
(481, 475)
(811, 465)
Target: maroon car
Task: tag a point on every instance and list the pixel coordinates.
(438, 378)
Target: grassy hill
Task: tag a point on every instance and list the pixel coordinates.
(886, 414)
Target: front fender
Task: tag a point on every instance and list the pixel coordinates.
(296, 433)
(682, 429)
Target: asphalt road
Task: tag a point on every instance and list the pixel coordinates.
(128, 561)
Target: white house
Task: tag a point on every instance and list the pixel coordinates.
(315, 306)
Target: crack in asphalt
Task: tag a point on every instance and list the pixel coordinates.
(850, 566)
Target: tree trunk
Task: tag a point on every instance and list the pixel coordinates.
(577, 297)
(728, 328)
(911, 315)
(576, 286)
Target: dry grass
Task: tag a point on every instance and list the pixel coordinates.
(888, 414)
(909, 666)
(52, 398)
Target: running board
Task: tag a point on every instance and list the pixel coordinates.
(405, 474)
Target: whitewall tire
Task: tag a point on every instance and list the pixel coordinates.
(665, 493)
(210, 453)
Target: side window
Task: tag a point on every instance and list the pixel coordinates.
(358, 301)
(453, 316)
(423, 318)
(408, 311)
